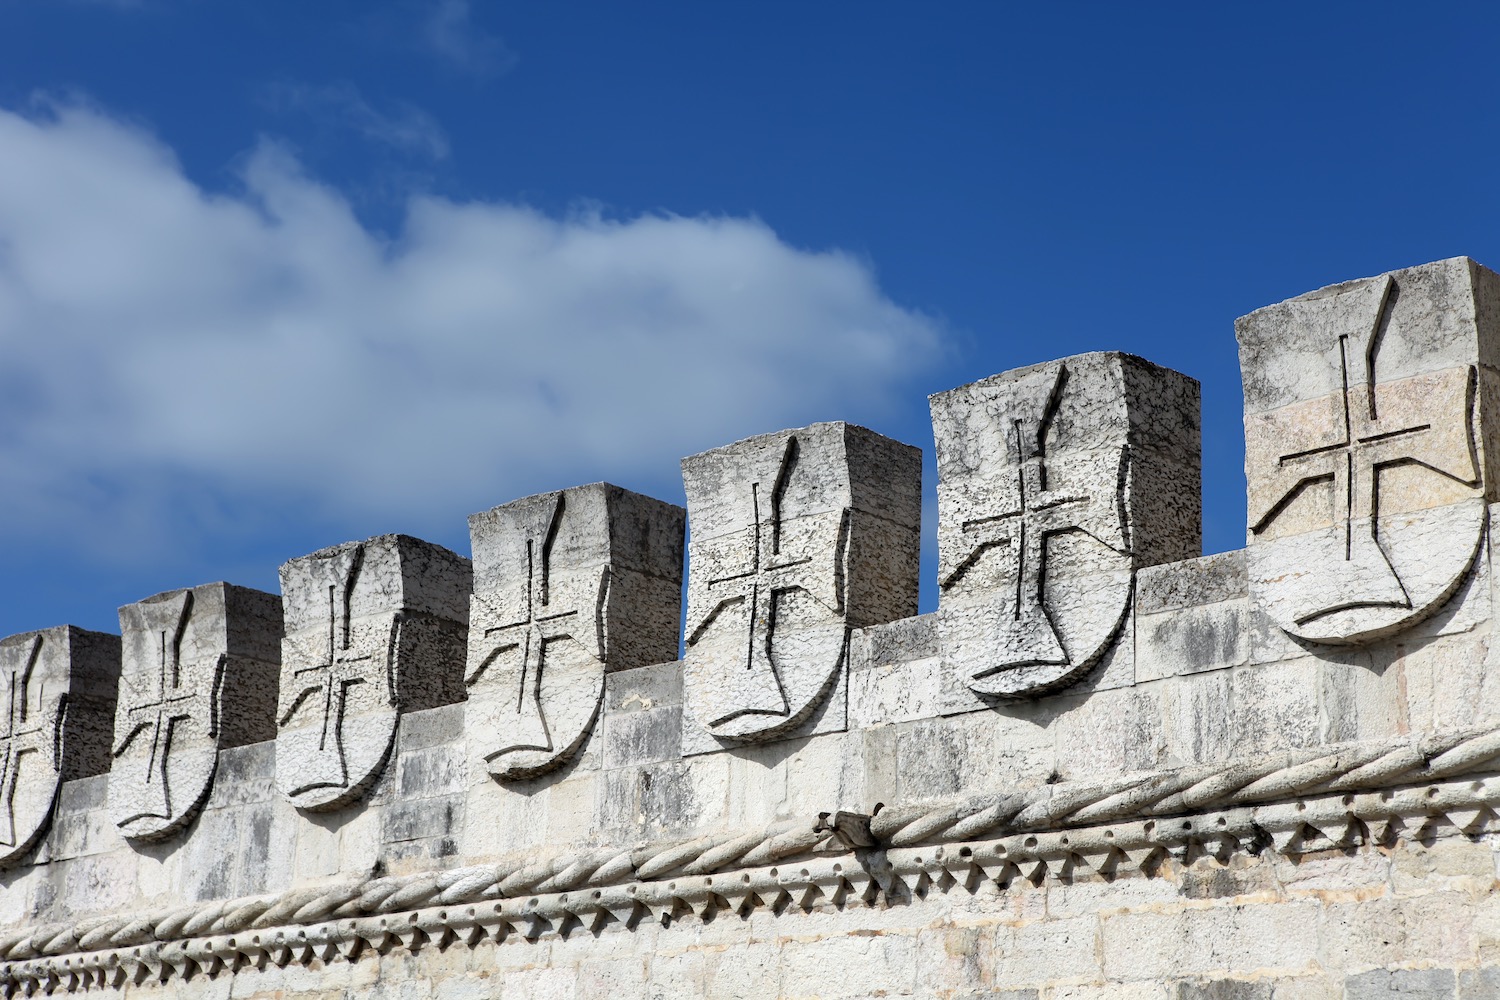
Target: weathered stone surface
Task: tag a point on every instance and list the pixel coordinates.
(372, 628)
(1401, 984)
(796, 537)
(1175, 825)
(1055, 482)
(198, 673)
(1366, 435)
(59, 691)
(567, 586)
(1191, 616)
(643, 720)
(894, 672)
(1191, 583)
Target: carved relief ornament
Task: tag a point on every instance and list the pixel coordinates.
(1055, 482)
(795, 538)
(1365, 468)
(567, 586)
(373, 628)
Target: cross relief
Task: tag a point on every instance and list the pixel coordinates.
(169, 703)
(1022, 520)
(1374, 429)
(26, 731)
(771, 567)
(540, 620)
(329, 682)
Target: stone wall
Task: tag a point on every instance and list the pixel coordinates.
(1104, 767)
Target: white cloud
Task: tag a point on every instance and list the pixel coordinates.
(405, 127)
(449, 32)
(169, 355)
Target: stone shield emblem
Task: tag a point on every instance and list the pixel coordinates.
(167, 719)
(796, 538)
(34, 691)
(1366, 501)
(536, 625)
(1034, 556)
(337, 711)
(766, 635)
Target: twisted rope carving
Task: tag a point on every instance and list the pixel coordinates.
(1278, 777)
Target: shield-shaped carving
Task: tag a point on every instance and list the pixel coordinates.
(536, 630)
(765, 626)
(1034, 556)
(337, 711)
(1365, 471)
(57, 696)
(796, 537)
(373, 628)
(198, 674)
(35, 696)
(167, 718)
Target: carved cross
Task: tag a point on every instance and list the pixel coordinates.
(1023, 526)
(170, 703)
(24, 733)
(1373, 430)
(342, 668)
(540, 621)
(770, 570)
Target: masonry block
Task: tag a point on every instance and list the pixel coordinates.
(373, 628)
(797, 537)
(567, 586)
(1055, 483)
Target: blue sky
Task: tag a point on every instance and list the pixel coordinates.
(278, 275)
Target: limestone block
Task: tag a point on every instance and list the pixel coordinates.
(59, 709)
(1191, 583)
(1267, 937)
(1191, 640)
(567, 586)
(643, 715)
(1476, 984)
(1111, 732)
(198, 673)
(1056, 482)
(1038, 953)
(1369, 435)
(1191, 616)
(797, 537)
(1407, 984)
(373, 628)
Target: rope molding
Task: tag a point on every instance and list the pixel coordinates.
(1333, 796)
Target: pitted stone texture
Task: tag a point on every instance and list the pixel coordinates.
(1191, 617)
(567, 586)
(198, 673)
(1056, 482)
(59, 703)
(373, 628)
(796, 537)
(1368, 435)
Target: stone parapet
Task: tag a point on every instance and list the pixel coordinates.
(1106, 766)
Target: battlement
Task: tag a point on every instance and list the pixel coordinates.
(409, 748)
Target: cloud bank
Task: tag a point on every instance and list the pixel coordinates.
(171, 355)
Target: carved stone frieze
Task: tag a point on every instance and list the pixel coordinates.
(567, 586)
(1365, 454)
(373, 628)
(57, 693)
(198, 673)
(1056, 482)
(796, 537)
